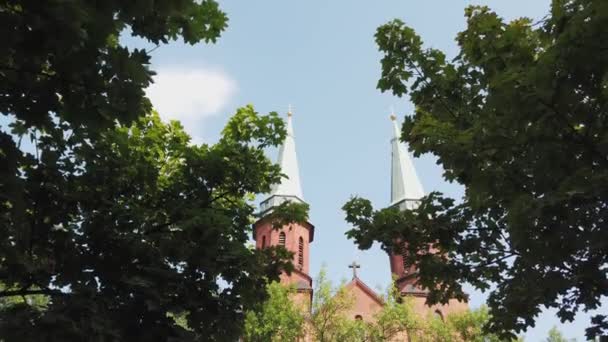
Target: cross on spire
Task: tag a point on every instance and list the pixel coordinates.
(288, 188)
(354, 266)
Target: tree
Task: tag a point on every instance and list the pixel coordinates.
(396, 318)
(280, 319)
(63, 60)
(520, 118)
(277, 319)
(435, 330)
(462, 326)
(556, 336)
(125, 231)
(110, 215)
(328, 319)
(468, 325)
(38, 302)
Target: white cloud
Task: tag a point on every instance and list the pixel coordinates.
(190, 94)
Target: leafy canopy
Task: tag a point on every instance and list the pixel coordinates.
(112, 225)
(121, 233)
(556, 336)
(280, 319)
(329, 307)
(63, 59)
(109, 217)
(520, 118)
(277, 319)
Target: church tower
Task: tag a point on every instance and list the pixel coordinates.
(295, 237)
(406, 192)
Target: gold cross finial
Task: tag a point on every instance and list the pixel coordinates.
(393, 116)
(289, 112)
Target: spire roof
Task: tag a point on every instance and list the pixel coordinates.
(406, 189)
(289, 189)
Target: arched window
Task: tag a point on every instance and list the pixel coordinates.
(282, 239)
(301, 252)
(358, 317)
(403, 257)
(263, 242)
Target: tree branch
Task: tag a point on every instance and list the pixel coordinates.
(439, 98)
(22, 292)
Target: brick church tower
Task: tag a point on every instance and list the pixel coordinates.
(295, 237)
(406, 192)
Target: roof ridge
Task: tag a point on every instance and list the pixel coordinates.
(366, 289)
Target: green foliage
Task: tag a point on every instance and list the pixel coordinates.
(396, 317)
(469, 325)
(328, 321)
(247, 125)
(35, 302)
(556, 336)
(122, 231)
(288, 212)
(520, 119)
(435, 330)
(67, 58)
(277, 319)
(112, 219)
(181, 319)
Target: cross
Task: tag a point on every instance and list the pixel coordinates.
(354, 266)
(289, 113)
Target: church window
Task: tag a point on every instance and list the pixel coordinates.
(263, 242)
(282, 239)
(404, 257)
(301, 253)
(358, 317)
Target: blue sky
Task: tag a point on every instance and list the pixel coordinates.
(320, 56)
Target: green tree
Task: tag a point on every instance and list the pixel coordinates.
(396, 318)
(124, 231)
(277, 319)
(38, 302)
(112, 216)
(556, 336)
(520, 118)
(280, 319)
(329, 307)
(61, 61)
(466, 326)
(469, 325)
(435, 330)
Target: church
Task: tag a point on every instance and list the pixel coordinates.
(406, 190)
